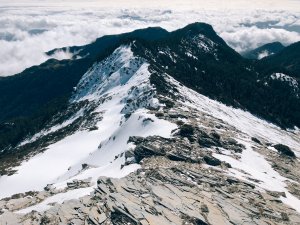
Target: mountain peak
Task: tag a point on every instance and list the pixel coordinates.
(149, 33)
(276, 43)
(200, 28)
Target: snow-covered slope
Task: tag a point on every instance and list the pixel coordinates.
(243, 121)
(121, 89)
(249, 165)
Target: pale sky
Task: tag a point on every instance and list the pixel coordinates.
(174, 4)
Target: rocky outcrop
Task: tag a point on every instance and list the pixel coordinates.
(165, 191)
(175, 149)
(75, 184)
(284, 150)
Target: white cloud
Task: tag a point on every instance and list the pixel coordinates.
(61, 55)
(28, 29)
(245, 38)
(263, 54)
(174, 4)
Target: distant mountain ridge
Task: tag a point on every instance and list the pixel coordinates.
(286, 61)
(264, 51)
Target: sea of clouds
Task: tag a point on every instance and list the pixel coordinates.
(29, 29)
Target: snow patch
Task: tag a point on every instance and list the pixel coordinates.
(204, 43)
(263, 172)
(285, 78)
(57, 199)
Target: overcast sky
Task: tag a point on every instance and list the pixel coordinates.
(175, 4)
(28, 28)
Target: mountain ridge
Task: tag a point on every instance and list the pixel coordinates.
(286, 60)
(43, 92)
(264, 50)
(136, 146)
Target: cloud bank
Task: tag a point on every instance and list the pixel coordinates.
(28, 29)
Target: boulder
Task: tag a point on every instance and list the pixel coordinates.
(212, 161)
(186, 130)
(284, 150)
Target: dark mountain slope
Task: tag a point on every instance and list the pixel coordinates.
(24, 94)
(263, 51)
(31, 98)
(95, 49)
(286, 61)
(214, 69)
